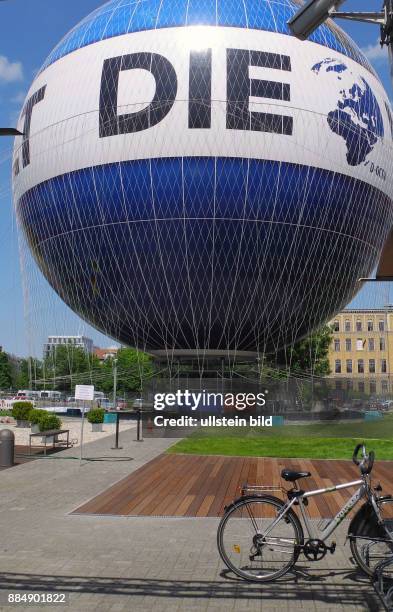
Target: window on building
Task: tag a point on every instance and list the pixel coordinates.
(349, 366)
(373, 386)
(359, 344)
(339, 384)
(382, 346)
(337, 367)
(381, 325)
(384, 367)
(371, 344)
(370, 326)
(336, 326)
(371, 366)
(384, 386)
(358, 326)
(348, 344)
(349, 385)
(336, 344)
(361, 387)
(360, 366)
(347, 326)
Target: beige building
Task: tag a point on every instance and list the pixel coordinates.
(361, 352)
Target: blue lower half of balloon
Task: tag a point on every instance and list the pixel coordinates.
(215, 253)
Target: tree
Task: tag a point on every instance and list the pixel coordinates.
(5, 371)
(69, 365)
(134, 368)
(26, 370)
(21, 374)
(310, 355)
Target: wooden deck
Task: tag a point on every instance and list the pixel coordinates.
(192, 485)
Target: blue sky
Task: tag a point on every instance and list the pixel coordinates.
(29, 29)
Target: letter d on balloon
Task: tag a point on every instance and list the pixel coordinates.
(112, 124)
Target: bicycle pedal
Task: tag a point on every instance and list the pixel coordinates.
(332, 548)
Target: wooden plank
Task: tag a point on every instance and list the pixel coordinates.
(208, 484)
(192, 485)
(147, 502)
(124, 486)
(170, 482)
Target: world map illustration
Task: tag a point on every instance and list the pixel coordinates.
(357, 117)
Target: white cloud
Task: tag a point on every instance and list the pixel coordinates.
(375, 52)
(10, 71)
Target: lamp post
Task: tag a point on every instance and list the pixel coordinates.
(315, 12)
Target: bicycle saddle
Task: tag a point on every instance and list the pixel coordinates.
(291, 475)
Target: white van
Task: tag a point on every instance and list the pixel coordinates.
(52, 395)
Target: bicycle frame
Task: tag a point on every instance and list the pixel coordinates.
(332, 525)
(323, 534)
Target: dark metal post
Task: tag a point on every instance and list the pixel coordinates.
(139, 426)
(117, 447)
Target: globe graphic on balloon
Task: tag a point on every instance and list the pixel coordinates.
(191, 177)
(357, 117)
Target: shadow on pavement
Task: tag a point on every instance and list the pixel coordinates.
(316, 587)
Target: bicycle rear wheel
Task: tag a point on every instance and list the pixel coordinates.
(370, 545)
(252, 546)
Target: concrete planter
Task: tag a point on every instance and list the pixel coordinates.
(49, 440)
(96, 427)
(20, 423)
(35, 428)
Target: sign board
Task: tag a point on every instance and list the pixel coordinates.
(84, 393)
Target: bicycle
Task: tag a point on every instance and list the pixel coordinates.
(383, 583)
(260, 537)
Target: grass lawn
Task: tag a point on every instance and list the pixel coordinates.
(311, 441)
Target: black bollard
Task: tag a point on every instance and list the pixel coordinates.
(7, 448)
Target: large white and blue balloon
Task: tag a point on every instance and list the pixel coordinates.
(191, 176)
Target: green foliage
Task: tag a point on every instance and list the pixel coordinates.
(21, 410)
(70, 364)
(96, 415)
(36, 416)
(5, 413)
(310, 355)
(134, 368)
(5, 371)
(324, 440)
(24, 370)
(45, 420)
(281, 446)
(49, 421)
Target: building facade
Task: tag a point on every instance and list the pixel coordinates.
(76, 341)
(361, 353)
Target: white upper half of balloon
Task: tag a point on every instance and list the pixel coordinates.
(319, 95)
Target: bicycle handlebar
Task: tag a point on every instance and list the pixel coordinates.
(366, 464)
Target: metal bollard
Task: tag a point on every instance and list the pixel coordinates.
(7, 446)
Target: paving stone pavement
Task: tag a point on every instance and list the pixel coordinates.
(138, 564)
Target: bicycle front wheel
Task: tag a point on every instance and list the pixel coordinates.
(373, 543)
(255, 543)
